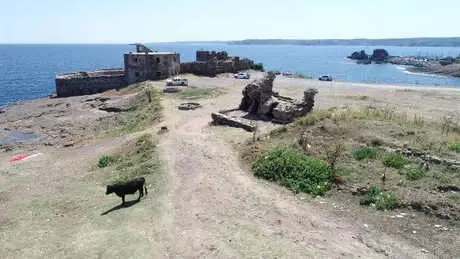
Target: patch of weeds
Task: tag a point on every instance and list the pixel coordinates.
(138, 159)
(147, 115)
(359, 97)
(419, 120)
(196, 93)
(278, 131)
(333, 154)
(410, 133)
(449, 124)
(377, 142)
(455, 223)
(455, 147)
(365, 153)
(395, 160)
(294, 170)
(454, 197)
(314, 117)
(381, 200)
(131, 110)
(414, 173)
(105, 161)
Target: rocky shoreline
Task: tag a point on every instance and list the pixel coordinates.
(447, 66)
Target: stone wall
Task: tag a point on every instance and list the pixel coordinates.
(213, 63)
(204, 56)
(83, 83)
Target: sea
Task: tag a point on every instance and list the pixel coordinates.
(28, 71)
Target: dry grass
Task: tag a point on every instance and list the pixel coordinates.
(364, 133)
(136, 158)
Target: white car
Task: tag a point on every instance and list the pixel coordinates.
(241, 76)
(325, 78)
(177, 81)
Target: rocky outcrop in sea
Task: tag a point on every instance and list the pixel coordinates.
(448, 66)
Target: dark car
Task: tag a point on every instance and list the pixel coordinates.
(325, 78)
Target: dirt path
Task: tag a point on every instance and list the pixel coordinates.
(218, 210)
(51, 205)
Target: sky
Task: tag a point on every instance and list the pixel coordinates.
(127, 21)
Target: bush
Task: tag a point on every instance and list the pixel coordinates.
(395, 160)
(258, 66)
(294, 170)
(414, 173)
(105, 161)
(455, 147)
(381, 200)
(377, 142)
(365, 152)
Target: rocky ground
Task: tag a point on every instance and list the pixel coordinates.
(207, 203)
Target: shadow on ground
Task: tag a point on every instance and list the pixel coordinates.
(120, 206)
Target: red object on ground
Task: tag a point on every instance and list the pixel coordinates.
(18, 158)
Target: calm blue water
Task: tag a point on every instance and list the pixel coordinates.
(28, 71)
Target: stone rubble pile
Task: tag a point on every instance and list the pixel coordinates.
(259, 99)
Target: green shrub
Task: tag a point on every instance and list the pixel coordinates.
(381, 200)
(105, 161)
(365, 152)
(414, 173)
(455, 147)
(395, 160)
(294, 170)
(258, 66)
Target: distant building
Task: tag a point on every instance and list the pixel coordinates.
(142, 66)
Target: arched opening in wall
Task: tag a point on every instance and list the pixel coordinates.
(174, 59)
(158, 60)
(135, 60)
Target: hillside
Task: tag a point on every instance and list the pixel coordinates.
(409, 42)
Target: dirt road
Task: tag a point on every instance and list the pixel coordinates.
(207, 205)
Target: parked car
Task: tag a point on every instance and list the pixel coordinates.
(325, 78)
(177, 81)
(241, 76)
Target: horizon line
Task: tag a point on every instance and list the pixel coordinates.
(220, 41)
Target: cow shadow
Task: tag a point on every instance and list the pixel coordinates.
(121, 206)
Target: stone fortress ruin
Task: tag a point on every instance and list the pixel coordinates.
(146, 64)
(260, 102)
(211, 63)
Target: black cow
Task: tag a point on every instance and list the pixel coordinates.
(130, 187)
